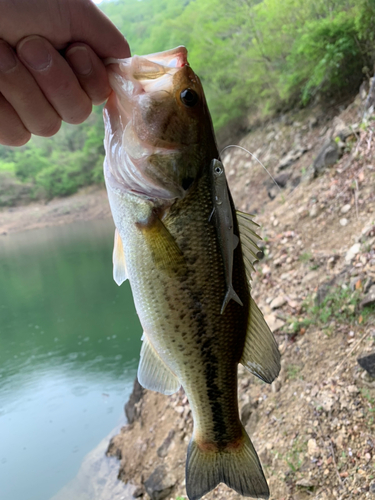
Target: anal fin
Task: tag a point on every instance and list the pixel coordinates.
(261, 354)
(153, 373)
(118, 258)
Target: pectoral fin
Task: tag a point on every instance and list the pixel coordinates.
(261, 354)
(165, 252)
(118, 258)
(153, 373)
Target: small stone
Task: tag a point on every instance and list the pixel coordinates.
(344, 222)
(345, 209)
(353, 389)
(314, 211)
(305, 483)
(312, 448)
(274, 323)
(278, 302)
(352, 252)
(276, 386)
(246, 412)
(310, 276)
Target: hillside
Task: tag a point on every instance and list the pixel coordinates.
(313, 427)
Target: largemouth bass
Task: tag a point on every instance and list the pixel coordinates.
(159, 145)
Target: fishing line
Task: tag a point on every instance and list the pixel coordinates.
(251, 154)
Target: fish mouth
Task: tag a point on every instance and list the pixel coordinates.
(145, 134)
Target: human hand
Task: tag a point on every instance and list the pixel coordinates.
(51, 65)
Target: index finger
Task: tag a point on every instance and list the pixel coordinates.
(92, 26)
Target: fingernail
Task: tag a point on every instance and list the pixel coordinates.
(80, 60)
(34, 52)
(8, 60)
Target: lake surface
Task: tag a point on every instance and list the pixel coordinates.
(69, 349)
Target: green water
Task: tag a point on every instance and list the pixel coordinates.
(69, 349)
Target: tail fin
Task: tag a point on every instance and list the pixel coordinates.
(239, 468)
(231, 294)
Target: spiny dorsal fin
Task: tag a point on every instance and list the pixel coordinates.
(153, 373)
(261, 354)
(118, 259)
(249, 239)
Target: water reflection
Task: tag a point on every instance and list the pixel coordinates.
(69, 345)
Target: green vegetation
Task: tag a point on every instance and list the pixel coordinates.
(293, 371)
(340, 305)
(295, 456)
(253, 56)
(370, 410)
(305, 257)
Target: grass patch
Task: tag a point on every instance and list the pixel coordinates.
(295, 456)
(293, 371)
(305, 257)
(341, 305)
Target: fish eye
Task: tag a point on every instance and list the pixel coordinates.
(218, 170)
(189, 97)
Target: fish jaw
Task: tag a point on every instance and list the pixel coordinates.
(156, 145)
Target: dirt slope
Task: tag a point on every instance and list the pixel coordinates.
(313, 427)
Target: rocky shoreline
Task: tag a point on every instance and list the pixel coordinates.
(88, 204)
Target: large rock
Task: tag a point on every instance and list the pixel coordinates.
(160, 484)
(369, 299)
(340, 129)
(164, 447)
(352, 252)
(323, 291)
(291, 157)
(327, 156)
(368, 364)
(135, 397)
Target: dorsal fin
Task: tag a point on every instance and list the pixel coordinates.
(261, 354)
(118, 258)
(249, 239)
(153, 373)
